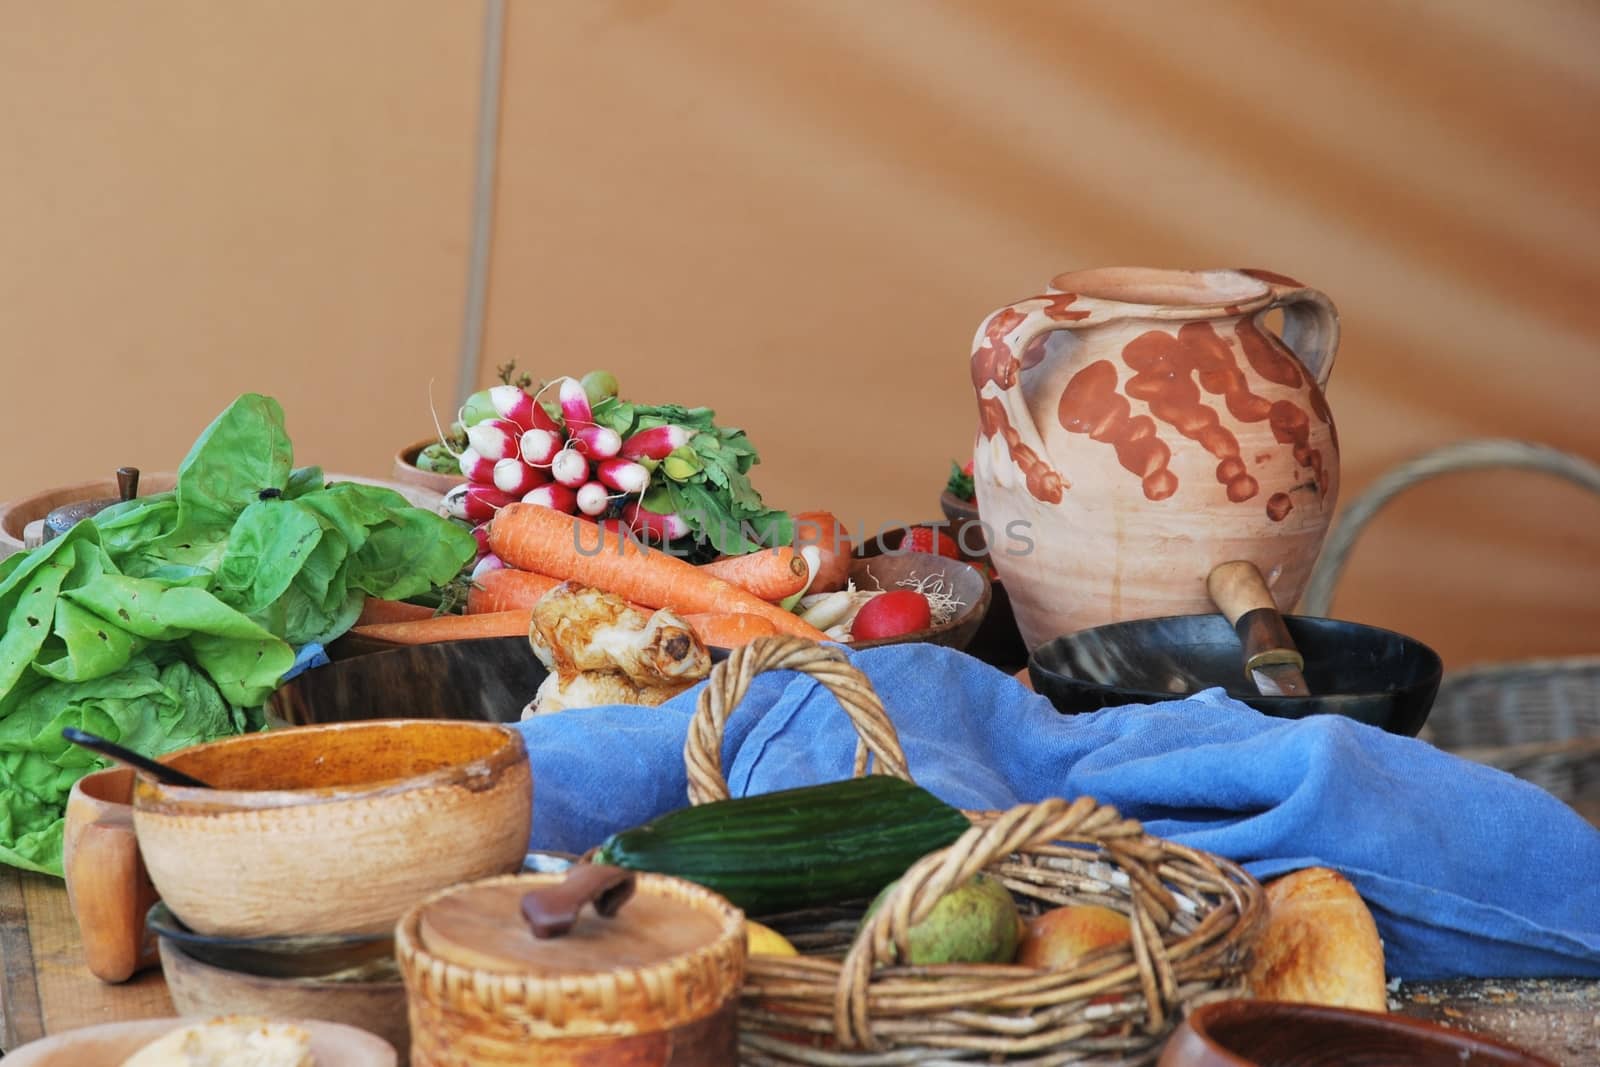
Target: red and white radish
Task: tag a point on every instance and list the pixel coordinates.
(495, 439)
(490, 562)
(658, 442)
(654, 524)
(623, 475)
(513, 476)
(895, 614)
(569, 468)
(475, 503)
(598, 442)
(539, 447)
(554, 496)
(513, 403)
(575, 408)
(475, 467)
(480, 534)
(593, 498)
(616, 526)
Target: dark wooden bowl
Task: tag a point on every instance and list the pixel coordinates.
(1260, 1033)
(969, 585)
(277, 957)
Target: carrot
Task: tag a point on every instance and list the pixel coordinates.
(437, 628)
(376, 610)
(533, 538)
(729, 631)
(823, 529)
(771, 573)
(507, 588)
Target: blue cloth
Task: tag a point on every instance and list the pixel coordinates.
(1469, 871)
(305, 657)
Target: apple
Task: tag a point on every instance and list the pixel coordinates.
(1062, 936)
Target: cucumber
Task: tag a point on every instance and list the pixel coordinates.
(796, 848)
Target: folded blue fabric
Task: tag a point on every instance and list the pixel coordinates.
(1469, 871)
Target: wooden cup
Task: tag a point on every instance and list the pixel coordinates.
(107, 884)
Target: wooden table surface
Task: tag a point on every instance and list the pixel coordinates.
(47, 989)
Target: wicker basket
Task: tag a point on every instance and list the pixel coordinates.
(843, 1002)
(1537, 719)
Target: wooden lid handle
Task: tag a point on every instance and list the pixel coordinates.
(551, 912)
(127, 483)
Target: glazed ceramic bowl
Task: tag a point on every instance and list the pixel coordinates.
(110, 1044)
(314, 956)
(901, 570)
(1259, 1033)
(333, 829)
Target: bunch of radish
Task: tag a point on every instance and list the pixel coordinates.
(567, 462)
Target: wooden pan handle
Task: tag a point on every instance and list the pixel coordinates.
(1241, 594)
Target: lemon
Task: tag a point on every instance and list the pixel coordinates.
(764, 941)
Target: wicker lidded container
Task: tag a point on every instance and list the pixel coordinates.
(655, 984)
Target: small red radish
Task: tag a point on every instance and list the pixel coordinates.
(539, 447)
(475, 467)
(513, 403)
(569, 468)
(513, 476)
(495, 439)
(654, 524)
(593, 498)
(480, 534)
(895, 614)
(575, 404)
(600, 442)
(490, 562)
(555, 496)
(657, 442)
(616, 526)
(475, 503)
(623, 475)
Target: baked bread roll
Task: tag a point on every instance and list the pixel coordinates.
(231, 1041)
(1320, 945)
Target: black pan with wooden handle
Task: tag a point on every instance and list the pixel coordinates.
(1375, 676)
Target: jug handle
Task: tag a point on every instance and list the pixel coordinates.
(1310, 322)
(1002, 343)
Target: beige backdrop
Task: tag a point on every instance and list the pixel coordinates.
(797, 213)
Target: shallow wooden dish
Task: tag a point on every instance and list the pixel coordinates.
(16, 515)
(1260, 1033)
(333, 829)
(109, 1044)
(406, 471)
(966, 581)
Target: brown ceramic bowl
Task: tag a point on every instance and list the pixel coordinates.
(333, 829)
(18, 514)
(110, 1044)
(962, 580)
(1260, 1033)
(960, 513)
(407, 472)
(369, 1000)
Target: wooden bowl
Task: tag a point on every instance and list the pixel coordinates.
(406, 471)
(333, 829)
(965, 525)
(18, 514)
(110, 1044)
(1260, 1033)
(965, 581)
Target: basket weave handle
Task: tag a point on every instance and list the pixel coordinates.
(1461, 456)
(992, 838)
(730, 679)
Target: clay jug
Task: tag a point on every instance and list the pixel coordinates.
(1136, 427)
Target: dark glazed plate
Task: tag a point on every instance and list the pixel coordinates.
(488, 678)
(1374, 676)
(278, 957)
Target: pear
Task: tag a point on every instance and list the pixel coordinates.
(977, 922)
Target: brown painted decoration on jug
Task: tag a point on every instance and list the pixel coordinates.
(1136, 427)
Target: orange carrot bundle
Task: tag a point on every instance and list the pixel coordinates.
(729, 631)
(507, 589)
(534, 538)
(769, 573)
